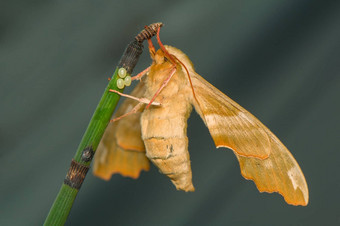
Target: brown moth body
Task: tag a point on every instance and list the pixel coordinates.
(159, 133)
(164, 127)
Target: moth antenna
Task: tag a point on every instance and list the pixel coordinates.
(163, 48)
(174, 59)
(186, 69)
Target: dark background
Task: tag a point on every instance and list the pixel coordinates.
(279, 59)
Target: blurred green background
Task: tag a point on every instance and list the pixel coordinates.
(278, 59)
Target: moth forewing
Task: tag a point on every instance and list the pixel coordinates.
(262, 157)
(278, 173)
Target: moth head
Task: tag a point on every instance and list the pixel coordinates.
(160, 57)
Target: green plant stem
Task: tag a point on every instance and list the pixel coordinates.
(61, 206)
(82, 159)
(64, 200)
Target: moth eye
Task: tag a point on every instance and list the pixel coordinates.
(127, 80)
(120, 83)
(122, 72)
(166, 59)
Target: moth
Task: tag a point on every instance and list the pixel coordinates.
(156, 131)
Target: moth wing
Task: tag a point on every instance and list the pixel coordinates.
(262, 157)
(229, 124)
(121, 149)
(278, 173)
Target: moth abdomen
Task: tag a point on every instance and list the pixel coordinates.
(171, 156)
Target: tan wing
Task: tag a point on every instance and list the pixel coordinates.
(262, 157)
(278, 173)
(229, 124)
(121, 149)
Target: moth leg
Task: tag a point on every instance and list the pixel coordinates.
(152, 49)
(172, 72)
(141, 74)
(165, 82)
(134, 110)
(141, 100)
